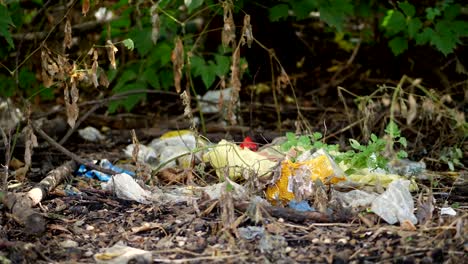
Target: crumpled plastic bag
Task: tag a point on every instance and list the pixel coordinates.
(299, 176)
(395, 204)
(229, 159)
(125, 187)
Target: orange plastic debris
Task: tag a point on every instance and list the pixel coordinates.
(322, 167)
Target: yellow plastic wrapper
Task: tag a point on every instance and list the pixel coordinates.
(301, 175)
(229, 159)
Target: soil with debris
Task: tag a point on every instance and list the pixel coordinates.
(84, 221)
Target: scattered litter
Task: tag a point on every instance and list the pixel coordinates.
(90, 133)
(272, 244)
(121, 254)
(448, 211)
(298, 177)
(406, 167)
(396, 203)
(248, 143)
(251, 232)
(174, 148)
(209, 103)
(214, 191)
(357, 198)
(229, 159)
(9, 114)
(69, 244)
(302, 206)
(83, 171)
(378, 177)
(125, 187)
(145, 154)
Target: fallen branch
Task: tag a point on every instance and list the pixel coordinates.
(290, 214)
(70, 154)
(21, 204)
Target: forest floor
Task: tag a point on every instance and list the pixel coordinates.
(83, 221)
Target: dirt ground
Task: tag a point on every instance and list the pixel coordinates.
(82, 221)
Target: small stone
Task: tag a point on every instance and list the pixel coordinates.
(89, 227)
(327, 241)
(69, 244)
(342, 241)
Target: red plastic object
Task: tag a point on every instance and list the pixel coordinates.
(248, 143)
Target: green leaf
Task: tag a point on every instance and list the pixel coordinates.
(444, 40)
(317, 136)
(130, 101)
(302, 8)
(192, 4)
(223, 64)
(142, 40)
(451, 12)
(278, 12)
(128, 43)
(5, 23)
(354, 143)
(27, 79)
(152, 78)
(304, 141)
(424, 37)
(398, 45)
(402, 154)
(432, 13)
(414, 25)
(392, 129)
(334, 13)
(402, 141)
(394, 22)
(407, 8)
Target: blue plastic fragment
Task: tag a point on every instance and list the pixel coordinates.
(83, 171)
(302, 206)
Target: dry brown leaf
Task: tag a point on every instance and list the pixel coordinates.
(228, 35)
(177, 58)
(111, 50)
(71, 102)
(403, 108)
(413, 109)
(94, 74)
(16, 163)
(247, 34)
(406, 225)
(67, 40)
(428, 107)
(103, 80)
(20, 174)
(136, 148)
(85, 7)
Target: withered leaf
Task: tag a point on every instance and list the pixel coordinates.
(228, 35)
(177, 58)
(67, 40)
(247, 34)
(103, 80)
(85, 7)
(413, 109)
(111, 50)
(94, 69)
(71, 106)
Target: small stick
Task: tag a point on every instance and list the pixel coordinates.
(69, 153)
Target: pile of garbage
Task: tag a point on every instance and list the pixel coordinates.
(281, 179)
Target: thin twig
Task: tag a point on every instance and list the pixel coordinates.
(70, 154)
(77, 124)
